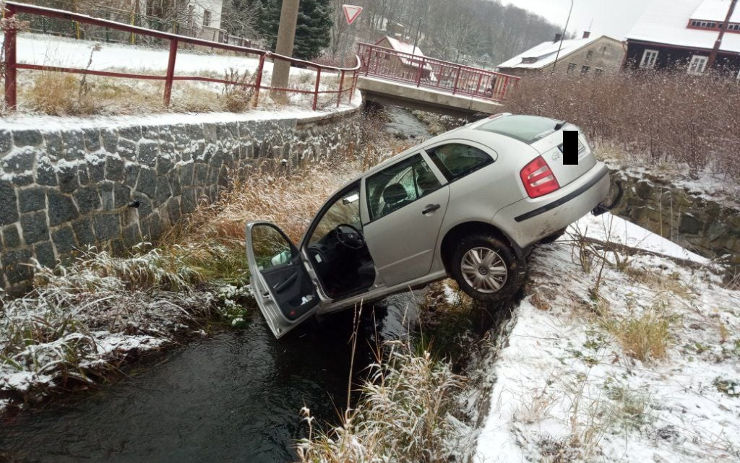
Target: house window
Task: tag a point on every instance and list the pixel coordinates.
(584, 69)
(697, 65)
(571, 67)
(598, 72)
(590, 54)
(206, 18)
(649, 57)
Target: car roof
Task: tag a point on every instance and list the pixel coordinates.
(469, 132)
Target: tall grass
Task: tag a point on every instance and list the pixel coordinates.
(404, 415)
(660, 116)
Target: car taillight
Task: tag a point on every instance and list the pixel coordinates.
(538, 179)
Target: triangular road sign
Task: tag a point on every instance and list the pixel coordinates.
(351, 12)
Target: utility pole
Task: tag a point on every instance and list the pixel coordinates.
(718, 42)
(562, 37)
(285, 40)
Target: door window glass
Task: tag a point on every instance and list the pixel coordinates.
(271, 248)
(345, 210)
(399, 185)
(457, 160)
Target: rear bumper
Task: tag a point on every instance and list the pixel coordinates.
(529, 220)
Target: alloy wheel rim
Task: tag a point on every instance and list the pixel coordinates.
(484, 270)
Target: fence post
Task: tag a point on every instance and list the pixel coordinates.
(355, 75)
(457, 77)
(170, 72)
(341, 85)
(258, 80)
(369, 57)
(316, 88)
(421, 69)
(477, 87)
(10, 62)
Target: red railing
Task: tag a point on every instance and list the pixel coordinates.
(12, 64)
(445, 76)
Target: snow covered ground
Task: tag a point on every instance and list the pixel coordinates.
(49, 50)
(567, 386)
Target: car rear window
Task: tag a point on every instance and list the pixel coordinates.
(456, 160)
(528, 129)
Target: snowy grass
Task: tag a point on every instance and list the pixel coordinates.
(83, 317)
(56, 93)
(638, 370)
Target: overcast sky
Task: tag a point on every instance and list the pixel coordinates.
(610, 17)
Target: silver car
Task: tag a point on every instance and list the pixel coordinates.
(465, 204)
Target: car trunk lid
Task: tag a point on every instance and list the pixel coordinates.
(551, 149)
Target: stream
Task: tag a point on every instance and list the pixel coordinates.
(233, 396)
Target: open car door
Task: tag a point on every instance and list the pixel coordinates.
(284, 291)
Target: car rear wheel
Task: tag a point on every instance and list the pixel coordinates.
(486, 268)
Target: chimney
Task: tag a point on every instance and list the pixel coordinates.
(586, 34)
(558, 36)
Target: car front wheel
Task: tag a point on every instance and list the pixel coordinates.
(487, 269)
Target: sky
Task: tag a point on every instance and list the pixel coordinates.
(608, 17)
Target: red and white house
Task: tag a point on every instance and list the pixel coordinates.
(680, 35)
(407, 62)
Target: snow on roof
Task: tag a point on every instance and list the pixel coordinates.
(715, 10)
(543, 54)
(403, 47)
(665, 21)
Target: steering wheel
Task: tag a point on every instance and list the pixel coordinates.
(349, 237)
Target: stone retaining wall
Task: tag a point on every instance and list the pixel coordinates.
(695, 222)
(117, 183)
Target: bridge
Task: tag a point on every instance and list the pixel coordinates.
(388, 76)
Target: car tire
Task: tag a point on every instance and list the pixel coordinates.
(551, 238)
(487, 283)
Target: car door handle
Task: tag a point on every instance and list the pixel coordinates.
(430, 208)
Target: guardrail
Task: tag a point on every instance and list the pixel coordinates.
(12, 65)
(432, 73)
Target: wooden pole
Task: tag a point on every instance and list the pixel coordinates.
(717, 43)
(10, 63)
(285, 41)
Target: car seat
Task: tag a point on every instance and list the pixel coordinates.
(394, 197)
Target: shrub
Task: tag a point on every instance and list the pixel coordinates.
(664, 116)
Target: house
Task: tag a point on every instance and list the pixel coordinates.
(407, 64)
(588, 55)
(197, 18)
(680, 35)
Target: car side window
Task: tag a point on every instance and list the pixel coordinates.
(399, 185)
(456, 160)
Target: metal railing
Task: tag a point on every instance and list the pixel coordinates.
(445, 76)
(12, 65)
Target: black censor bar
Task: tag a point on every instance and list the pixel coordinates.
(570, 147)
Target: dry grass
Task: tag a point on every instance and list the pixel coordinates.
(404, 415)
(645, 338)
(661, 116)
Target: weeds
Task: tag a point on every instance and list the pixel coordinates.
(238, 92)
(659, 116)
(404, 415)
(645, 338)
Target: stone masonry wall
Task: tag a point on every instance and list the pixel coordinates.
(695, 222)
(114, 185)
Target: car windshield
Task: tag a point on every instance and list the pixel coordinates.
(345, 210)
(528, 129)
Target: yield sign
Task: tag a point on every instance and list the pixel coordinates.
(351, 12)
